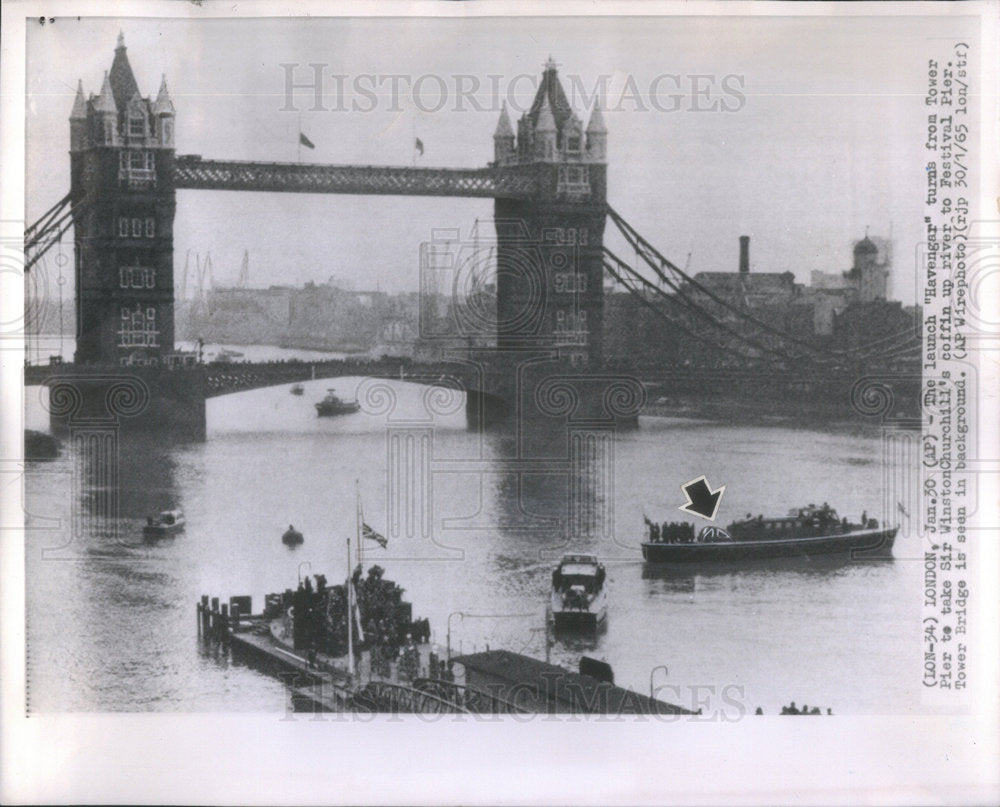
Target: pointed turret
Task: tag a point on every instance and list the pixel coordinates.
(106, 116)
(163, 115)
(503, 138)
(504, 129)
(163, 105)
(79, 103)
(105, 102)
(597, 135)
(545, 133)
(123, 81)
(546, 120)
(597, 125)
(78, 121)
(551, 90)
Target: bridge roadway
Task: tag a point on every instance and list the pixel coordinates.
(167, 396)
(223, 378)
(192, 172)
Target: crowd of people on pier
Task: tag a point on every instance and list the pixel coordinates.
(383, 621)
(792, 709)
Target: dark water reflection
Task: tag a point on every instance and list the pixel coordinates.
(111, 616)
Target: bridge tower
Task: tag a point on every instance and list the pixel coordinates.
(549, 253)
(122, 179)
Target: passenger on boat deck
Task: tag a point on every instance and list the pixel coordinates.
(864, 518)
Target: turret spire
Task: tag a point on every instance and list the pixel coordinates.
(79, 104)
(163, 105)
(123, 81)
(121, 40)
(106, 99)
(597, 125)
(546, 121)
(504, 129)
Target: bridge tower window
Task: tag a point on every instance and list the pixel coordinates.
(138, 328)
(137, 125)
(137, 277)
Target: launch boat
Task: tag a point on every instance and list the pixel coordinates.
(579, 598)
(805, 532)
(332, 405)
(166, 523)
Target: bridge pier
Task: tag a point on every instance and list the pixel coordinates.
(124, 400)
(486, 411)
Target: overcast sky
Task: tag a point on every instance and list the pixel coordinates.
(827, 139)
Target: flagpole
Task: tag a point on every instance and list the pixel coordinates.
(357, 520)
(300, 138)
(350, 613)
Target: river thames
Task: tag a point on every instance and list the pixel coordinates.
(111, 616)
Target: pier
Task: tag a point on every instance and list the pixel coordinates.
(497, 682)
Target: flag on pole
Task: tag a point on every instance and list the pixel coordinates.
(419, 146)
(305, 141)
(372, 535)
(899, 506)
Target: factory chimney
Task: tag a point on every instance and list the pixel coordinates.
(744, 254)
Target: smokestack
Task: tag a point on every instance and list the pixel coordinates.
(744, 254)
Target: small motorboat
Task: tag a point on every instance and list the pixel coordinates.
(166, 523)
(805, 532)
(297, 389)
(332, 405)
(579, 598)
(292, 537)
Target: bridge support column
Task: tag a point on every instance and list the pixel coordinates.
(170, 403)
(485, 411)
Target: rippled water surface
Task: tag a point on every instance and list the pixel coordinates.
(111, 617)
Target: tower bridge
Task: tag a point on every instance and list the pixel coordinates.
(548, 181)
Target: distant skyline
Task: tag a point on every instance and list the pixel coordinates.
(828, 140)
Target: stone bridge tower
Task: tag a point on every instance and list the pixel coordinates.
(549, 250)
(122, 177)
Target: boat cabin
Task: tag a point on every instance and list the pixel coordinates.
(582, 571)
(168, 518)
(811, 520)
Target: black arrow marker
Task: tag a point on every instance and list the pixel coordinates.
(702, 501)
